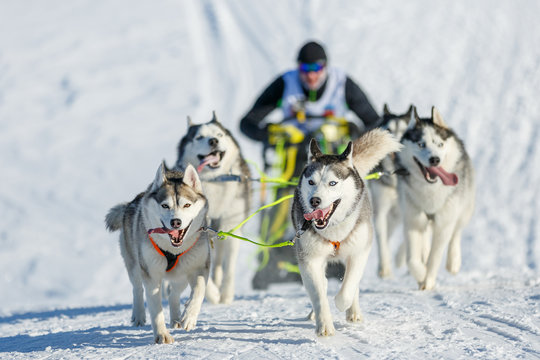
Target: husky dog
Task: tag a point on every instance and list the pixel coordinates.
(160, 239)
(332, 215)
(384, 195)
(437, 195)
(225, 178)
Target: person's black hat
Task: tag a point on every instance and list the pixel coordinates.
(311, 52)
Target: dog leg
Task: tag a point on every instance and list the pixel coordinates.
(212, 292)
(441, 238)
(193, 306)
(381, 228)
(453, 258)
(353, 313)
(153, 297)
(415, 228)
(138, 314)
(231, 254)
(176, 289)
(315, 282)
(351, 280)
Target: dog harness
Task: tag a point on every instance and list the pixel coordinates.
(172, 259)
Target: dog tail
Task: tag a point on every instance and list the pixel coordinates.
(115, 218)
(371, 148)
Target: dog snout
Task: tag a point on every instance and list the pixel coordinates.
(315, 201)
(176, 223)
(434, 160)
(213, 141)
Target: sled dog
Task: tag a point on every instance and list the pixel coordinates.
(436, 196)
(224, 173)
(384, 195)
(331, 213)
(161, 239)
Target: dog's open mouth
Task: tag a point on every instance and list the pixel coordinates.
(433, 172)
(320, 217)
(176, 236)
(212, 160)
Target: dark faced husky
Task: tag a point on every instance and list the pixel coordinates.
(160, 239)
(384, 195)
(331, 204)
(225, 178)
(437, 195)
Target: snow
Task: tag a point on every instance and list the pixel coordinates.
(94, 94)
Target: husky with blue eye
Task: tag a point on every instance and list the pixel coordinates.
(437, 196)
(161, 238)
(332, 215)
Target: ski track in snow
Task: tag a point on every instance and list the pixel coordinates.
(94, 94)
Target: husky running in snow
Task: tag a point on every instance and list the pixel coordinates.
(331, 213)
(437, 194)
(384, 195)
(224, 173)
(161, 239)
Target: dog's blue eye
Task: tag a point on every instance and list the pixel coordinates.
(332, 183)
(422, 144)
(165, 206)
(311, 182)
(199, 137)
(441, 145)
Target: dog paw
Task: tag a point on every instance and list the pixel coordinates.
(385, 272)
(226, 299)
(354, 316)
(427, 284)
(325, 329)
(164, 338)
(453, 267)
(189, 322)
(176, 324)
(343, 301)
(137, 321)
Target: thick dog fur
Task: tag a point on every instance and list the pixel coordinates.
(215, 153)
(173, 203)
(384, 196)
(428, 205)
(332, 193)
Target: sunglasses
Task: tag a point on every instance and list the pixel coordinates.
(305, 68)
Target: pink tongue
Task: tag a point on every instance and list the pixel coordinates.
(207, 160)
(317, 214)
(173, 233)
(447, 178)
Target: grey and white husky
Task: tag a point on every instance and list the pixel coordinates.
(331, 205)
(436, 197)
(224, 173)
(161, 239)
(384, 195)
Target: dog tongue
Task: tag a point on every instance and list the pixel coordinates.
(447, 178)
(212, 158)
(173, 233)
(317, 214)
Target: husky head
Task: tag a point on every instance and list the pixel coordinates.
(396, 124)
(428, 151)
(176, 204)
(329, 186)
(209, 147)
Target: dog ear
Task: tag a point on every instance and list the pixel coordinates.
(189, 122)
(214, 117)
(160, 177)
(409, 112)
(414, 119)
(386, 111)
(314, 150)
(191, 179)
(346, 155)
(437, 118)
